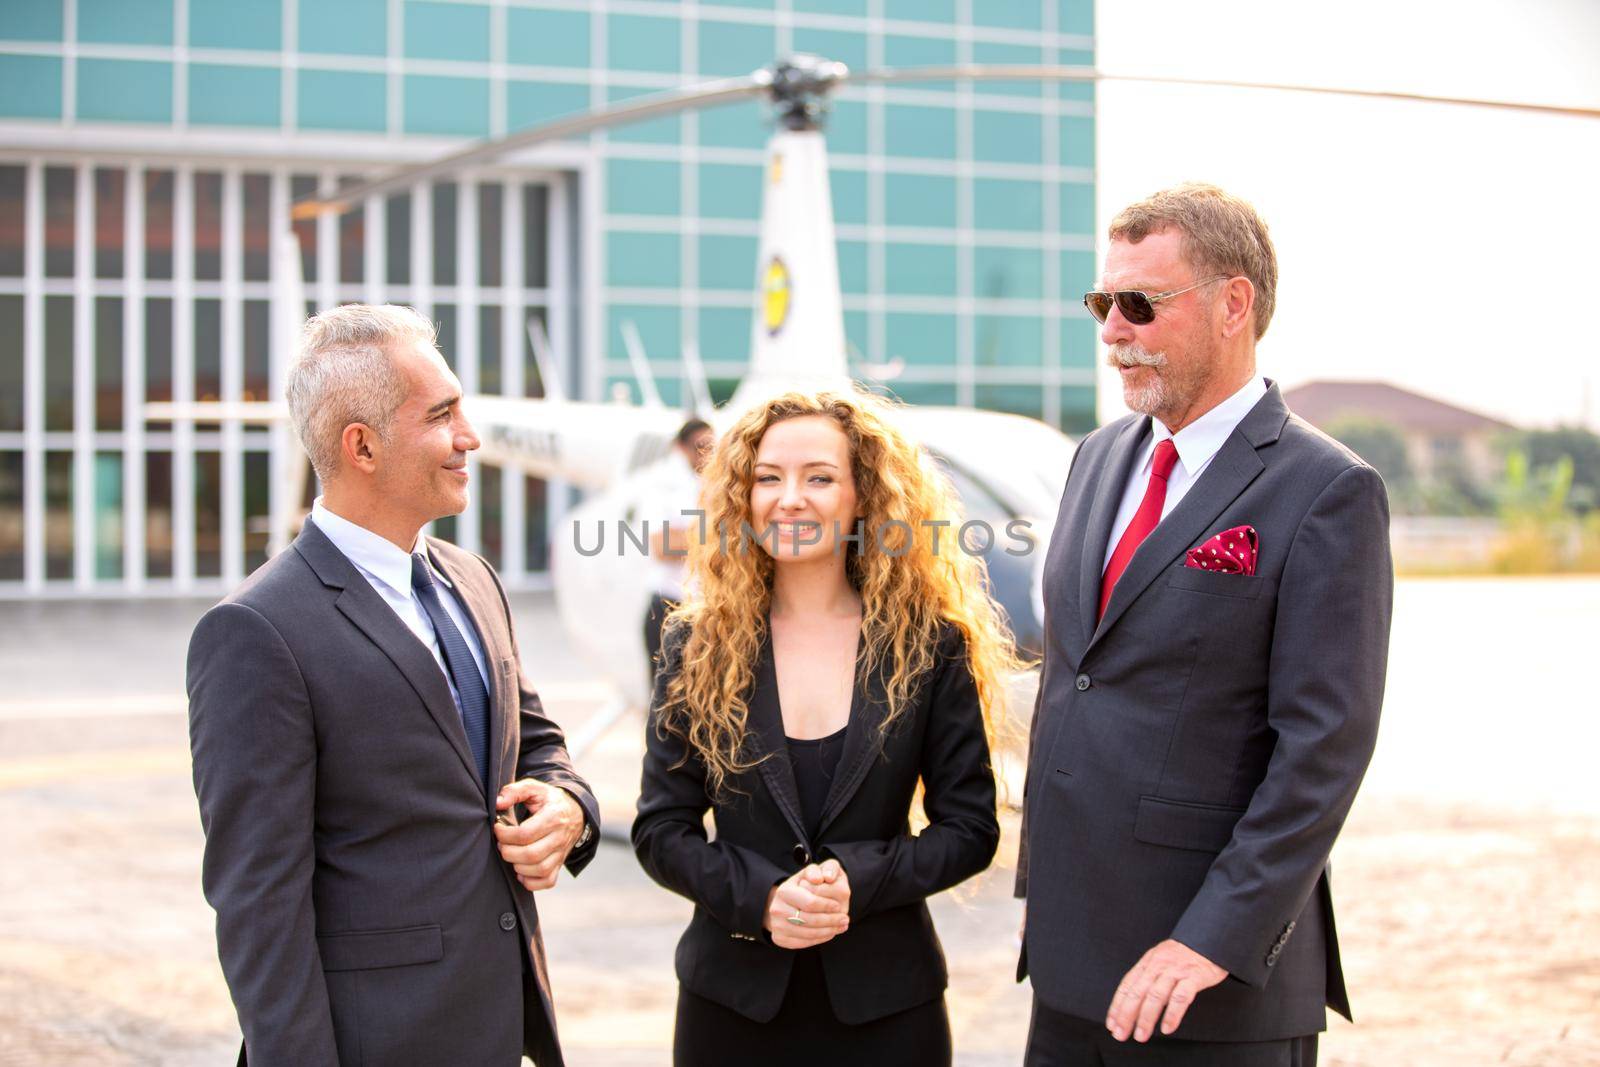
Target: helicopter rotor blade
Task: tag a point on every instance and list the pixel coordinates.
(1036, 72)
(654, 105)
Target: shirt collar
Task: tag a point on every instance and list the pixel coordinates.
(373, 553)
(1201, 439)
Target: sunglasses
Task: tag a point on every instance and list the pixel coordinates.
(1136, 306)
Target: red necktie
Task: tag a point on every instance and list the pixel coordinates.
(1144, 520)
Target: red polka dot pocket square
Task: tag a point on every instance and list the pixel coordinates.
(1230, 552)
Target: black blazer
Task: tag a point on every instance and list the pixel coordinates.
(889, 960)
(364, 914)
(1195, 751)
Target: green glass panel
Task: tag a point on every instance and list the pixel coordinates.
(853, 266)
(1078, 409)
(730, 191)
(233, 96)
(994, 52)
(547, 38)
(349, 27)
(856, 327)
(1075, 16)
(445, 105)
(832, 7)
(919, 200)
(840, 45)
(1008, 273)
(642, 187)
(849, 191)
(31, 20)
(529, 103)
(1071, 57)
(1080, 343)
(1009, 14)
(1077, 208)
(728, 262)
(1078, 274)
(920, 10)
(1017, 399)
(254, 24)
(668, 130)
(920, 270)
(728, 48)
(1077, 141)
(920, 340)
(921, 132)
(939, 394)
(122, 21)
(1008, 341)
(124, 90)
(899, 51)
(847, 127)
(744, 125)
(447, 31)
(1007, 137)
(658, 330)
(642, 259)
(725, 334)
(1006, 204)
(342, 100)
(642, 42)
(30, 87)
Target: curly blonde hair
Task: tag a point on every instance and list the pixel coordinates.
(909, 589)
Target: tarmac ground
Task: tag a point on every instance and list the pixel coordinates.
(1467, 887)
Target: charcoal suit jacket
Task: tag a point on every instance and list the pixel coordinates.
(1195, 751)
(364, 915)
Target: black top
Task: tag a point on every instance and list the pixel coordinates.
(815, 760)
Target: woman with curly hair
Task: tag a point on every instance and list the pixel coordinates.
(839, 651)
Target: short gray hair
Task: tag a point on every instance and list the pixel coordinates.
(344, 373)
(1221, 234)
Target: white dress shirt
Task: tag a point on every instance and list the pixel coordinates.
(388, 570)
(1197, 443)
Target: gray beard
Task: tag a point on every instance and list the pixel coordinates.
(1148, 399)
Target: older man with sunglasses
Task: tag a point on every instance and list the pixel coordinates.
(1217, 603)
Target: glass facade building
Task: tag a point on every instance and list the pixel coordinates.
(149, 150)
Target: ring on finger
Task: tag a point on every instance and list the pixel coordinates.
(797, 919)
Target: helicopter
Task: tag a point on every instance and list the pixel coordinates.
(1008, 470)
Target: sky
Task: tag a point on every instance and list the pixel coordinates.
(1450, 250)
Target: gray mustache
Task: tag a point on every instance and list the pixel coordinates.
(1129, 355)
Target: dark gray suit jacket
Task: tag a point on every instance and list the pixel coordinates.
(1195, 752)
(363, 912)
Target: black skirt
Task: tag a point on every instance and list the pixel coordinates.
(805, 1033)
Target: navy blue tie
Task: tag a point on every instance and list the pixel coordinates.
(463, 669)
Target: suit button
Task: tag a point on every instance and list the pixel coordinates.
(508, 921)
(801, 855)
(1084, 682)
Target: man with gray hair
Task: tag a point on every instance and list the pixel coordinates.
(363, 739)
(1217, 602)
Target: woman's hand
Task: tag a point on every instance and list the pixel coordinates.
(818, 896)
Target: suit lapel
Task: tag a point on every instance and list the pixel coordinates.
(1112, 481)
(483, 605)
(861, 736)
(1234, 467)
(766, 726)
(362, 605)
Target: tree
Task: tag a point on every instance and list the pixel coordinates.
(1379, 443)
(1580, 448)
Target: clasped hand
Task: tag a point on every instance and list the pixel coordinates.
(538, 847)
(818, 894)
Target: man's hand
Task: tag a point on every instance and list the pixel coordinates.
(537, 849)
(1165, 980)
(818, 894)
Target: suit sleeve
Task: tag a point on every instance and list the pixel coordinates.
(254, 748)
(542, 747)
(958, 798)
(1330, 648)
(669, 835)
